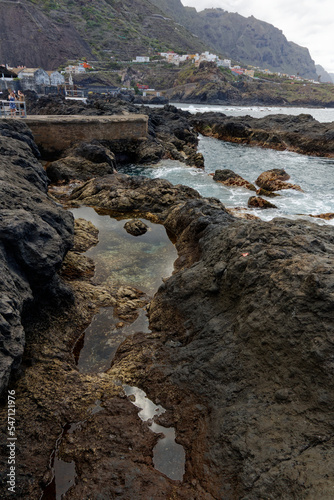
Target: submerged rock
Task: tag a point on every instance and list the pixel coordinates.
(135, 227)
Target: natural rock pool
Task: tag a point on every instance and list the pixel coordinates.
(121, 259)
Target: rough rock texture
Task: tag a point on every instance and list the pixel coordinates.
(171, 135)
(239, 353)
(35, 234)
(135, 227)
(82, 162)
(275, 180)
(241, 349)
(124, 193)
(230, 178)
(258, 202)
(302, 134)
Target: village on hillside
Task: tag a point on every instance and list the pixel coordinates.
(43, 81)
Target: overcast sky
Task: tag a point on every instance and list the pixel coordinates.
(309, 23)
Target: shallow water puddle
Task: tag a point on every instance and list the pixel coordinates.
(123, 259)
(168, 456)
(95, 349)
(64, 473)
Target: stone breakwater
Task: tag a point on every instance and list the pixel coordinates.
(35, 234)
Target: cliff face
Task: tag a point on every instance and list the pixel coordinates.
(49, 33)
(247, 40)
(31, 38)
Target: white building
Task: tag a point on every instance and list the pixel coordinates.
(225, 63)
(56, 78)
(141, 59)
(38, 75)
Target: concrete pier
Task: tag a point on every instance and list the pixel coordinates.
(55, 133)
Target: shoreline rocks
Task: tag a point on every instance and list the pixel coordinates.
(36, 233)
(301, 134)
(230, 178)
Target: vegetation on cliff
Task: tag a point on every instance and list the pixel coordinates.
(98, 29)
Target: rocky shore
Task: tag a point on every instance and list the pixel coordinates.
(239, 349)
(301, 134)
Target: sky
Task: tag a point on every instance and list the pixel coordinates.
(309, 23)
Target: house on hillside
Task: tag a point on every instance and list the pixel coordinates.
(225, 63)
(36, 75)
(56, 78)
(141, 59)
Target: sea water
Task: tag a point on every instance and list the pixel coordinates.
(313, 174)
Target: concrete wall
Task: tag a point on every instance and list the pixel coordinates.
(54, 134)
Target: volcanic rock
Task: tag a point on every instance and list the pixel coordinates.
(135, 227)
(230, 178)
(302, 134)
(35, 235)
(258, 202)
(82, 162)
(274, 180)
(124, 193)
(242, 353)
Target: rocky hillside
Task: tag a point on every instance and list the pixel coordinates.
(243, 39)
(48, 33)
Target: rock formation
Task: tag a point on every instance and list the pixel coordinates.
(230, 178)
(35, 233)
(301, 134)
(170, 133)
(258, 202)
(275, 180)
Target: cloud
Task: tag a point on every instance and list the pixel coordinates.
(308, 23)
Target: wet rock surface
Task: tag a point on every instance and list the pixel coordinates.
(275, 180)
(230, 178)
(124, 193)
(302, 134)
(35, 235)
(135, 227)
(246, 329)
(258, 202)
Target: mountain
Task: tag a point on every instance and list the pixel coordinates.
(248, 40)
(322, 73)
(48, 33)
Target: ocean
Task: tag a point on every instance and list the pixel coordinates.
(313, 174)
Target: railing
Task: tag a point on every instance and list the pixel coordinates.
(7, 111)
(74, 94)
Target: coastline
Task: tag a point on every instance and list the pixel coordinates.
(238, 351)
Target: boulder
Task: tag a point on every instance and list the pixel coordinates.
(258, 202)
(231, 179)
(136, 227)
(82, 162)
(275, 180)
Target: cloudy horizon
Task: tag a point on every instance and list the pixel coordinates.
(305, 22)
